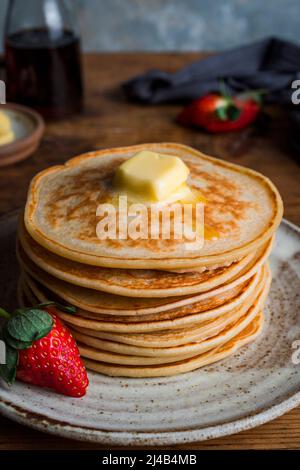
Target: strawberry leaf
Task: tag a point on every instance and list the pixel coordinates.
(228, 112)
(255, 95)
(221, 113)
(29, 325)
(14, 343)
(233, 112)
(9, 369)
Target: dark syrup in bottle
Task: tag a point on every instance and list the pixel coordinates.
(44, 71)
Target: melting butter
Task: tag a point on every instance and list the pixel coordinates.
(210, 233)
(152, 177)
(149, 177)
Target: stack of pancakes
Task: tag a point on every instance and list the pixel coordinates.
(150, 307)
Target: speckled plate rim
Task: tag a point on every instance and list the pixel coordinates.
(130, 438)
(80, 433)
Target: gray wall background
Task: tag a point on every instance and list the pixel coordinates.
(117, 25)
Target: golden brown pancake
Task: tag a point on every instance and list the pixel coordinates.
(175, 351)
(43, 293)
(177, 343)
(102, 303)
(242, 206)
(186, 365)
(174, 336)
(133, 283)
(181, 343)
(80, 319)
(150, 307)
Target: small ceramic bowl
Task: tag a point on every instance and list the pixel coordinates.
(28, 127)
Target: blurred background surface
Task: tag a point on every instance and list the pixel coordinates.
(116, 25)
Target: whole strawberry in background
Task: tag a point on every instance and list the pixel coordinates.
(219, 113)
(41, 351)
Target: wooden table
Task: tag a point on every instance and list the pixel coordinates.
(110, 121)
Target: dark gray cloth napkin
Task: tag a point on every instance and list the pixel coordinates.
(270, 64)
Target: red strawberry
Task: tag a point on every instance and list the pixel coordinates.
(218, 113)
(41, 351)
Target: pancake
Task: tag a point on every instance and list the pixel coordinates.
(94, 326)
(250, 333)
(191, 341)
(150, 307)
(242, 205)
(215, 341)
(43, 293)
(174, 336)
(176, 354)
(179, 342)
(101, 303)
(133, 283)
(104, 303)
(158, 356)
(112, 304)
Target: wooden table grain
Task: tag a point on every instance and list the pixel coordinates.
(109, 121)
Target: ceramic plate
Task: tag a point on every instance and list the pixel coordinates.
(259, 383)
(28, 127)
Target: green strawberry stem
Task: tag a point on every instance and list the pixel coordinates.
(224, 90)
(4, 314)
(255, 95)
(227, 111)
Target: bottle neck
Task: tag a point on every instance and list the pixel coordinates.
(54, 16)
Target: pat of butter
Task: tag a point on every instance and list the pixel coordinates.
(7, 138)
(5, 124)
(152, 176)
(6, 132)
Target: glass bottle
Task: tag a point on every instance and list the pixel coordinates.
(42, 57)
